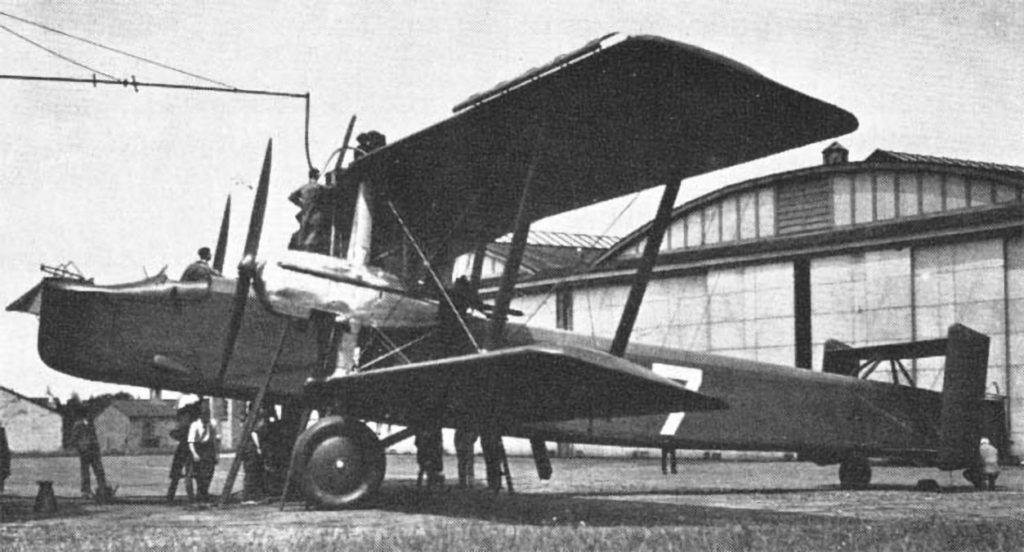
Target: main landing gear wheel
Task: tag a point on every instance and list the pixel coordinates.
(854, 473)
(341, 463)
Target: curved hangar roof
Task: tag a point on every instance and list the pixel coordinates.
(844, 203)
(619, 115)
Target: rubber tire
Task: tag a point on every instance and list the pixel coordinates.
(854, 473)
(322, 447)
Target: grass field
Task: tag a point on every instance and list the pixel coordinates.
(589, 505)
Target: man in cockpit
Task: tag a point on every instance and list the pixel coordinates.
(200, 270)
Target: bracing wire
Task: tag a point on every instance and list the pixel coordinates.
(554, 287)
(115, 50)
(55, 53)
(430, 269)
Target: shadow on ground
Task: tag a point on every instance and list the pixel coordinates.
(595, 510)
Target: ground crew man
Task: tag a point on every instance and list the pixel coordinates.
(668, 456)
(202, 443)
(5, 458)
(181, 463)
(83, 438)
(988, 457)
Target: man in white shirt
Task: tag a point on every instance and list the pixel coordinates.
(202, 443)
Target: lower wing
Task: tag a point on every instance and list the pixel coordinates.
(509, 387)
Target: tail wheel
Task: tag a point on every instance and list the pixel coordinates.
(854, 473)
(341, 463)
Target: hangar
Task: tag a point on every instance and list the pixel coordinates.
(893, 248)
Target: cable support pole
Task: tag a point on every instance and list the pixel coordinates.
(309, 161)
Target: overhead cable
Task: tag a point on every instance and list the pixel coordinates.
(221, 87)
(52, 52)
(115, 50)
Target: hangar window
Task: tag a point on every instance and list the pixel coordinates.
(729, 219)
(910, 204)
(931, 193)
(677, 233)
(748, 216)
(885, 196)
(1005, 193)
(637, 249)
(693, 229)
(863, 199)
(712, 228)
(766, 212)
(956, 192)
(842, 205)
(980, 193)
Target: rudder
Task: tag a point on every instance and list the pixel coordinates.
(963, 390)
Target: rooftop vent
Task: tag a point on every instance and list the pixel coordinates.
(835, 154)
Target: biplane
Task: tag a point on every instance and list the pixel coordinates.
(621, 114)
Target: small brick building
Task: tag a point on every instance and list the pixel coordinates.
(32, 425)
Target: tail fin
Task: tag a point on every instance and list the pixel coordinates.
(963, 390)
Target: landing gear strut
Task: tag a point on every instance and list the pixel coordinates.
(854, 473)
(341, 463)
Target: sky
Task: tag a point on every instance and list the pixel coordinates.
(123, 183)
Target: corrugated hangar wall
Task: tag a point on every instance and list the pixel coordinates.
(936, 242)
(915, 293)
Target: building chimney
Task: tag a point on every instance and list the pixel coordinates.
(835, 154)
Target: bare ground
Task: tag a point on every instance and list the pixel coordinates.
(604, 501)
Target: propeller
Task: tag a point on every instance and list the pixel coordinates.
(247, 266)
(222, 238)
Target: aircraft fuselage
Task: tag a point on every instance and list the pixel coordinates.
(170, 335)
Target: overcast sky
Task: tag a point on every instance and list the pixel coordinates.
(123, 183)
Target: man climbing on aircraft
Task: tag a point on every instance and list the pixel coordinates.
(200, 270)
(314, 233)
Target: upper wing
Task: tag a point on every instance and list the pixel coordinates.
(606, 120)
(508, 387)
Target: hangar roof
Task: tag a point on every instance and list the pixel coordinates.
(41, 402)
(552, 250)
(881, 156)
(803, 219)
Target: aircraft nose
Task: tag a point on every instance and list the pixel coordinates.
(74, 324)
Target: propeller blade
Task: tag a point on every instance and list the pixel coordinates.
(259, 208)
(247, 266)
(337, 168)
(222, 238)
